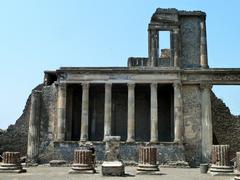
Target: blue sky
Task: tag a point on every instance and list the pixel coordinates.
(44, 35)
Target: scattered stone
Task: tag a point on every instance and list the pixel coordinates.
(57, 163)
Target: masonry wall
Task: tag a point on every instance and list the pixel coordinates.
(190, 42)
(225, 126)
(192, 123)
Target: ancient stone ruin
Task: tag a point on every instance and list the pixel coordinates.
(11, 163)
(112, 165)
(165, 97)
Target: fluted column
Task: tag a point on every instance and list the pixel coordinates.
(203, 45)
(131, 113)
(61, 112)
(85, 108)
(154, 113)
(178, 121)
(33, 131)
(207, 138)
(176, 47)
(108, 110)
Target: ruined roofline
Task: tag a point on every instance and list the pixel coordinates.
(179, 12)
(146, 69)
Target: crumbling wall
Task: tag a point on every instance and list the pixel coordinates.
(48, 123)
(226, 127)
(15, 137)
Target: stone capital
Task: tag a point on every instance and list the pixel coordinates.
(85, 85)
(61, 85)
(154, 85)
(108, 85)
(177, 84)
(205, 85)
(131, 85)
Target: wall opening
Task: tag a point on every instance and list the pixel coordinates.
(73, 112)
(119, 110)
(165, 113)
(164, 48)
(142, 112)
(96, 112)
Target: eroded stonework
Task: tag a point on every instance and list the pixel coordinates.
(163, 100)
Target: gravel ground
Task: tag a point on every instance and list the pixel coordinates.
(61, 173)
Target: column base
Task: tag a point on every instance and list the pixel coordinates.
(130, 140)
(177, 141)
(154, 141)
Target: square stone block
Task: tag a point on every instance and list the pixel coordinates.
(113, 168)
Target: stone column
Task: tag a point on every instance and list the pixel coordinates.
(108, 110)
(220, 160)
(85, 108)
(154, 113)
(176, 47)
(61, 112)
(178, 114)
(153, 50)
(203, 45)
(33, 131)
(207, 138)
(131, 113)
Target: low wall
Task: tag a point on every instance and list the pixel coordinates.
(166, 152)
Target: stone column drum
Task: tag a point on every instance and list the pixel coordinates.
(147, 159)
(11, 163)
(220, 159)
(83, 160)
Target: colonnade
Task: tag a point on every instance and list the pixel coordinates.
(178, 121)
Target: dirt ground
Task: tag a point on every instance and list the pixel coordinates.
(61, 173)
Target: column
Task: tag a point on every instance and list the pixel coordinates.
(176, 47)
(108, 110)
(61, 112)
(33, 131)
(203, 45)
(131, 113)
(154, 113)
(178, 114)
(69, 116)
(207, 138)
(153, 50)
(85, 108)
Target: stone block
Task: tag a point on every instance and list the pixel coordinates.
(57, 163)
(113, 168)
